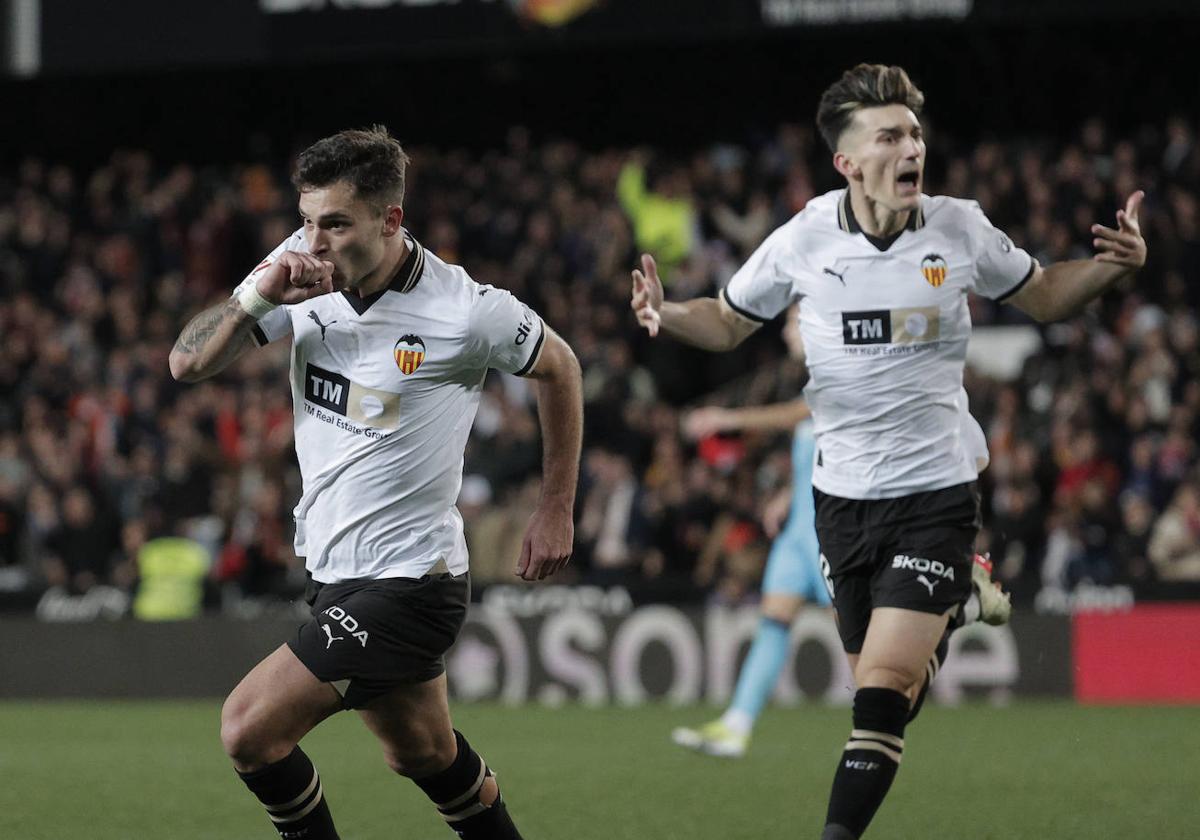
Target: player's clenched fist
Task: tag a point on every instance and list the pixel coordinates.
(647, 295)
(295, 277)
(548, 542)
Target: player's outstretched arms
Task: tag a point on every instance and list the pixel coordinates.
(217, 336)
(707, 323)
(1062, 289)
(777, 417)
(550, 537)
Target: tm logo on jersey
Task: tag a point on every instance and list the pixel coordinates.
(891, 326)
(368, 407)
(873, 326)
(327, 389)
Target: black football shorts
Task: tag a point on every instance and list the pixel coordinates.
(368, 636)
(913, 552)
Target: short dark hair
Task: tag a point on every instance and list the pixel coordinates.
(369, 159)
(865, 86)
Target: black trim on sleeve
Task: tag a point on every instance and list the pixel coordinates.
(537, 351)
(1033, 264)
(760, 319)
(260, 336)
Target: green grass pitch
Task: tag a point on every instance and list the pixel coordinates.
(142, 770)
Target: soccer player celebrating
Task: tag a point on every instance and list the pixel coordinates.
(390, 347)
(793, 575)
(881, 273)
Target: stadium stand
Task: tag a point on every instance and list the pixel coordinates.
(1094, 460)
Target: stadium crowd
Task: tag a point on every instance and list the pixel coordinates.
(1093, 477)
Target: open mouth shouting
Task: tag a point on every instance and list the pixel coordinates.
(908, 183)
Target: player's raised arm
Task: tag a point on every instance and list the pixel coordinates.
(1062, 289)
(212, 340)
(550, 537)
(708, 323)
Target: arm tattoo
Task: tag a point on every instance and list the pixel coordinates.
(200, 332)
(201, 329)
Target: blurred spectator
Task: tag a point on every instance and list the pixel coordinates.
(81, 551)
(1131, 548)
(13, 574)
(171, 570)
(662, 214)
(258, 555)
(610, 532)
(1175, 541)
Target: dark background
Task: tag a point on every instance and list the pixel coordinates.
(208, 90)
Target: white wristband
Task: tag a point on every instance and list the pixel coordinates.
(256, 306)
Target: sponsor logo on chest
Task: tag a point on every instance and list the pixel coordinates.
(370, 408)
(913, 325)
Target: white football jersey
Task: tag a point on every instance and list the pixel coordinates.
(384, 392)
(885, 327)
(974, 438)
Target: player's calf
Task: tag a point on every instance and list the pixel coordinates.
(987, 603)
(868, 763)
(468, 798)
(931, 671)
(290, 789)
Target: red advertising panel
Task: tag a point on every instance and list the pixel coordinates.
(1148, 654)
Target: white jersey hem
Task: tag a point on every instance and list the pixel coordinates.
(846, 491)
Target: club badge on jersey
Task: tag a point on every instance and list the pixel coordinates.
(409, 353)
(935, 270)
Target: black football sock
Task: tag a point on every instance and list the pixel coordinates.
(290, 790)
(455, 791)
(869, 763)
(931, 671)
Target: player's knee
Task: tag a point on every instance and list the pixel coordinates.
(238, 741)
(465, 788)
(420, 757)
(414, 764)
(243, 742)
(897, 678)
(781, 608)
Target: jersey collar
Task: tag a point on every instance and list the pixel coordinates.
(404, 280)
(409, 275)
(849, 224)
